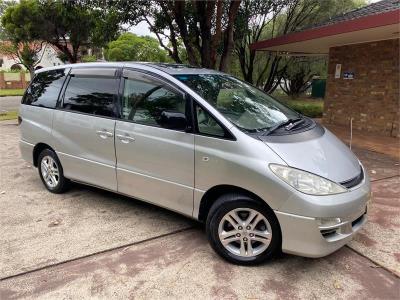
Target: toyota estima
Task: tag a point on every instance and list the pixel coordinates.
(262, 177)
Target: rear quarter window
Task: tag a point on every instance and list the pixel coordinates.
(45, 89)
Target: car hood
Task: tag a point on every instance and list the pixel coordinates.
(317, 151)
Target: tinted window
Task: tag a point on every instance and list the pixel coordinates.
(145, 98)
(207, 124)
(45, 88)
(91, 95)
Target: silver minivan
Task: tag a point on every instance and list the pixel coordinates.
(262, 177)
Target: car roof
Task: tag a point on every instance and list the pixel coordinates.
(174, 69)
(169, 68)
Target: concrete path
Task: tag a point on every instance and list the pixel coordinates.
(90, 243)
(10, 103)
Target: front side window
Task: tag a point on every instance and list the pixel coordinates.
(91, 95)
(207, 124)
(45, 88)
(145, 98)
(245, 106)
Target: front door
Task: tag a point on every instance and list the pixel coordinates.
(83, 127)
(154, 164)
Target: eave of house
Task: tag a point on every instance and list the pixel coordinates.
(317, 41)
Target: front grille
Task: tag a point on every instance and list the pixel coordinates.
(354, 181)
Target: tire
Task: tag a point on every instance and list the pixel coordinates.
(254, 245)
(55, 182)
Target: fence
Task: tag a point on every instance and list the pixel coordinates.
(12, 80)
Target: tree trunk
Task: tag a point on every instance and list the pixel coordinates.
(31, 72)
(179, 13)
(228, 38)
(205, 11)
(64, 49)
(216, 39)
(250, 69)
(174, 43)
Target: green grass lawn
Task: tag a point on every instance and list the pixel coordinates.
(11, 92)
(10, 115)
(309, 107)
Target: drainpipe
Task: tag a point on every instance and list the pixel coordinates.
(351, 131)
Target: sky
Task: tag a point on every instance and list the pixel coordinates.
(142, 29)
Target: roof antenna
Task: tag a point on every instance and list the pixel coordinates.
(351, 131)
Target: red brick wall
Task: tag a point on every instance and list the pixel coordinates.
(20, 84)
(372, 97)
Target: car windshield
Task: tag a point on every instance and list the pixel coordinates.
(244, 105)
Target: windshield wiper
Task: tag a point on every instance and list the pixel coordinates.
(294, 124)
(289, 124)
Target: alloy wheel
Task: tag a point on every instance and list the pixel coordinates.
(50, 172)
(245, 232)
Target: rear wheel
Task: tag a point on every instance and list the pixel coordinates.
(242, 230)
(51, 172)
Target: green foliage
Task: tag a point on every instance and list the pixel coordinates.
(63, 57)
(10, 115)
(326, 10)
(89, 58)
(265, 19)
(130, 47)
(308, 107)
(299, 72)
(19, 19)
(312, 109)
(21, 33)
(61, 22)
(11, 92)
(3, 6)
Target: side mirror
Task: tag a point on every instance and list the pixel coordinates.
(173, 120)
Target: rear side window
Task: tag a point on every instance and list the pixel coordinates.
(91, 95)
(45, 88)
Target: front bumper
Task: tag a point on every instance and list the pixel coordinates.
(305, 236)
(325, 233)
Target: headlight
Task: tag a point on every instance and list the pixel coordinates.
(305, 182)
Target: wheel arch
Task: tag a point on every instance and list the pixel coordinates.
(215, 192)
(37, 150)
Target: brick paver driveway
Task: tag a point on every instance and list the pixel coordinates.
(91, 243)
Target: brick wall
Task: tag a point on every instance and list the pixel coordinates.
(372, 97)
(20, 82)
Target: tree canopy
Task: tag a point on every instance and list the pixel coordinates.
(265, 19)
(21, 39)
(68, 25)
(212, 34)
(204, 28)
(3, 6)
(130, 47)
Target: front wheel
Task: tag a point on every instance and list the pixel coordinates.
(242, 230)
(51, 172)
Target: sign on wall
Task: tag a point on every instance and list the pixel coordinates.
(338, 70)
(348, 75)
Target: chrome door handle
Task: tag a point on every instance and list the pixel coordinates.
(125, 138)
(104, 134)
